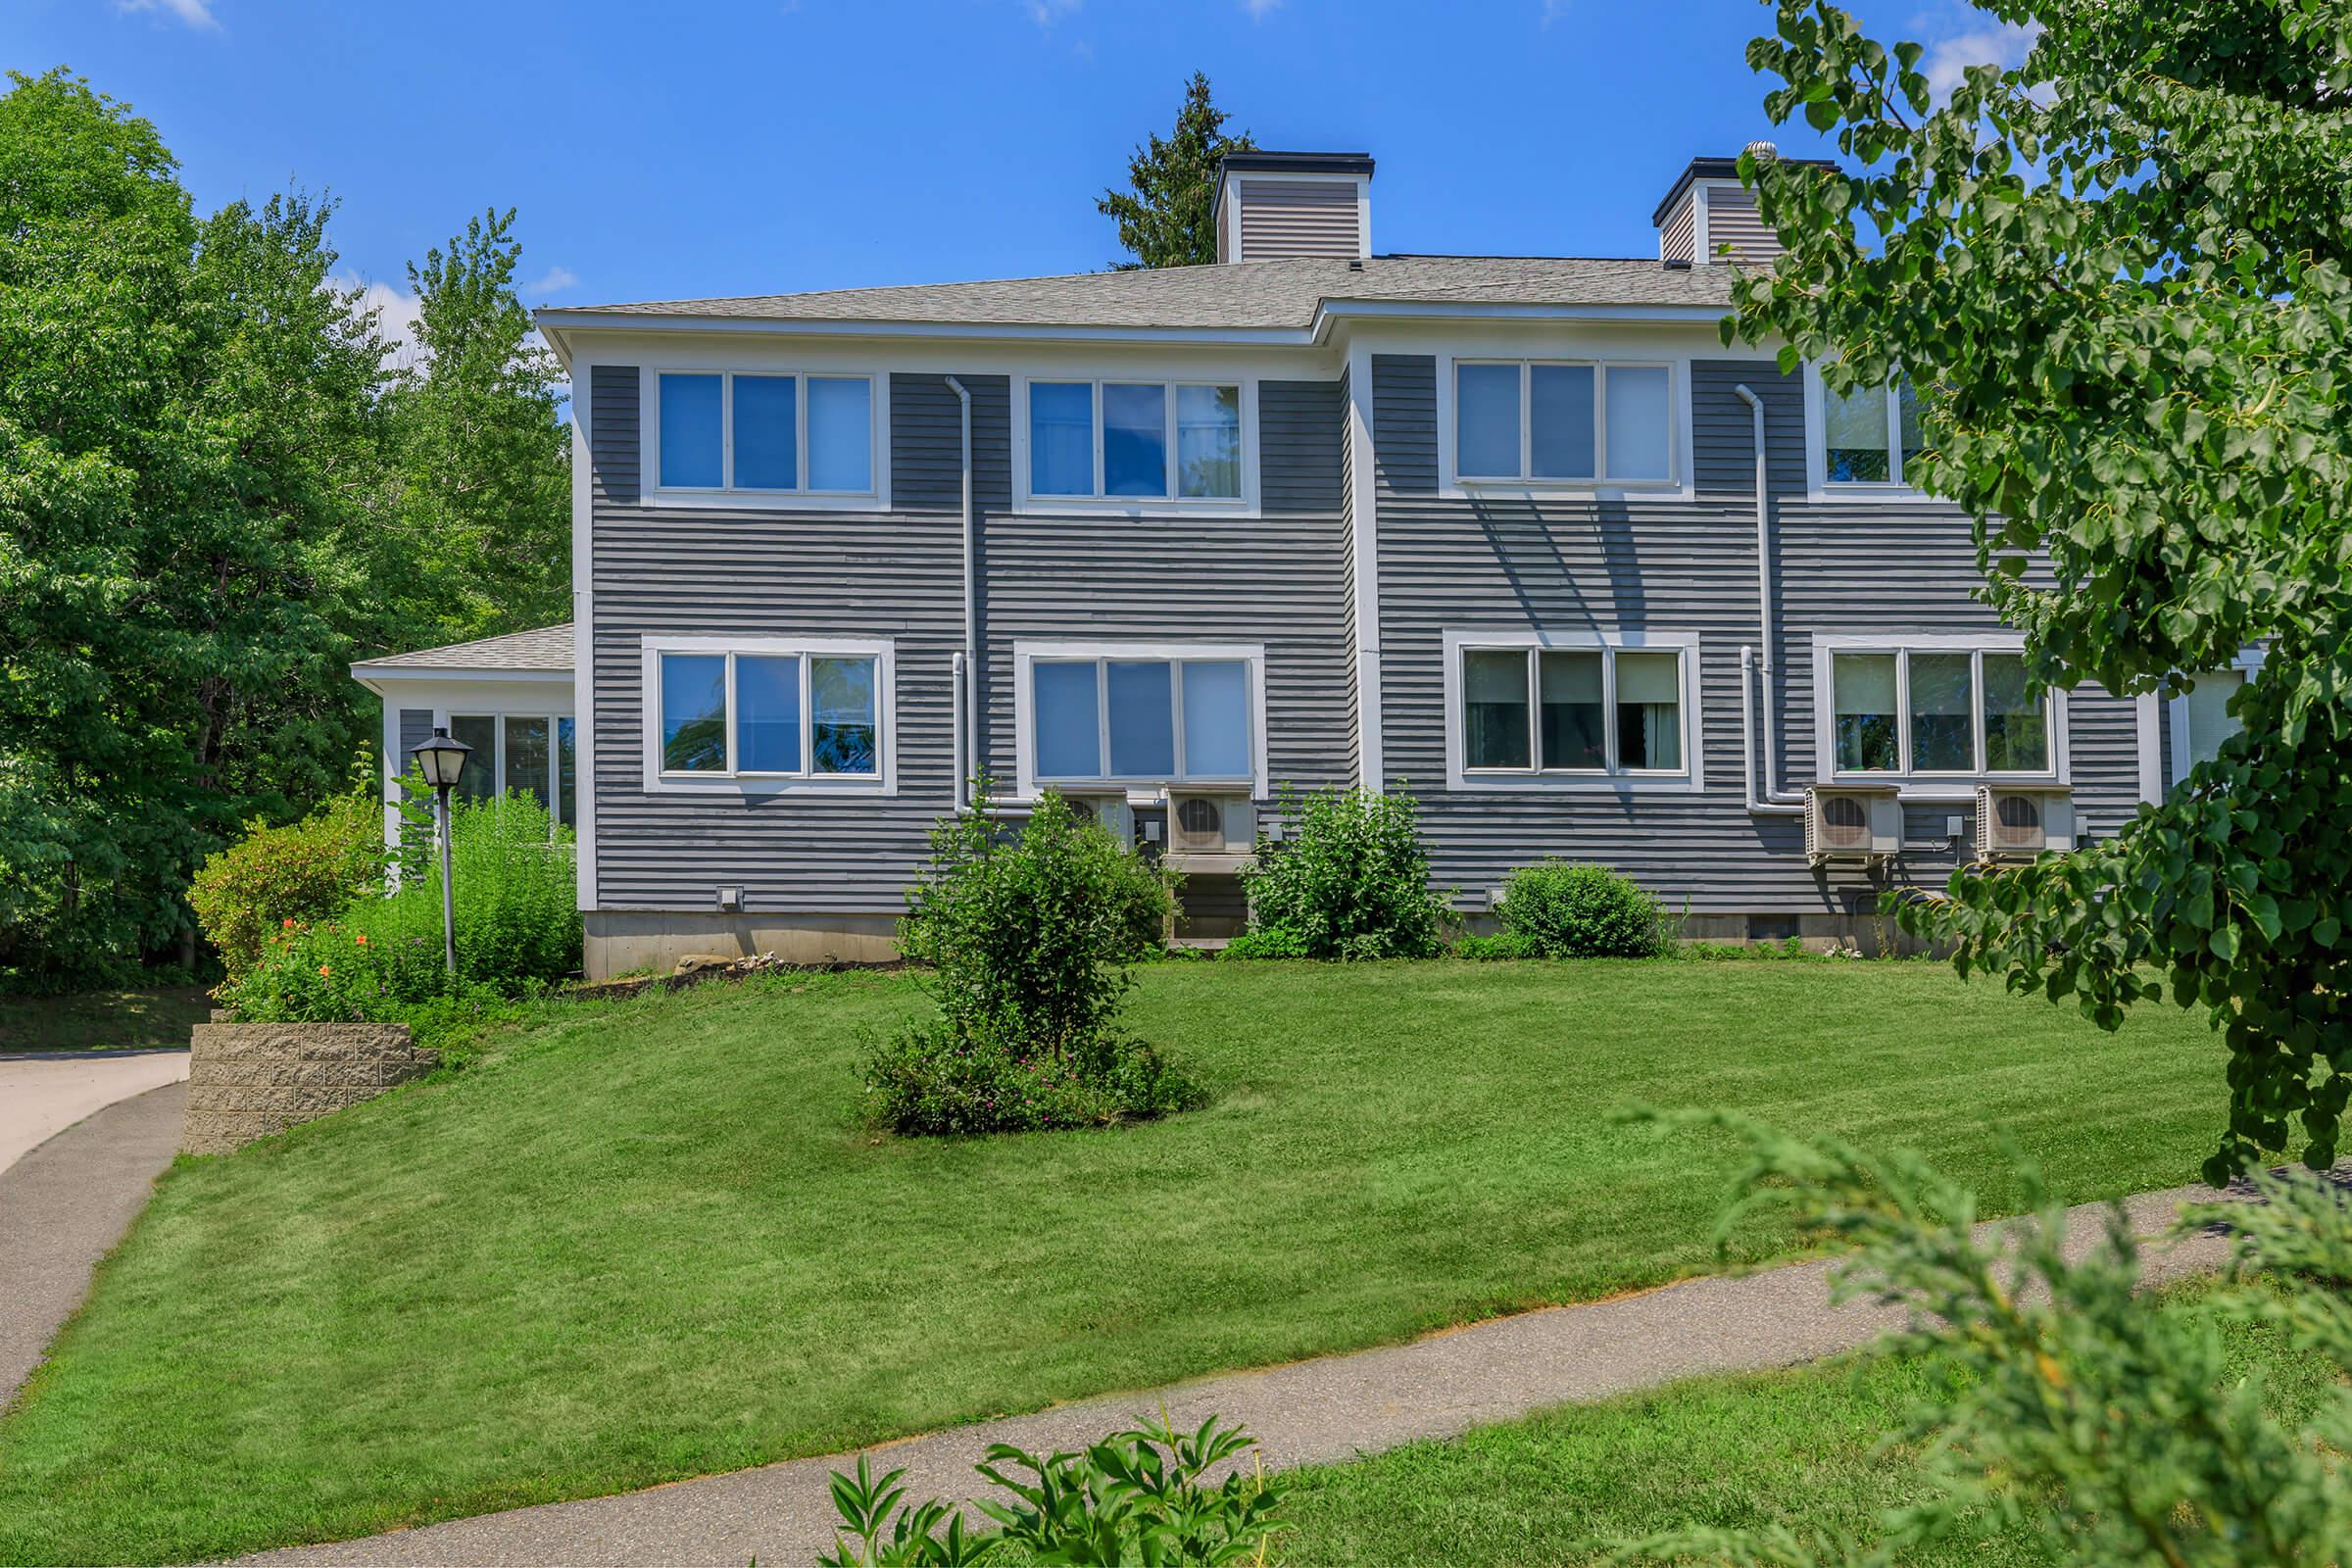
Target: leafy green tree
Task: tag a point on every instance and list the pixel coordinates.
(187, 431)
(1170, 219)
(478, 533)
(2116, 274)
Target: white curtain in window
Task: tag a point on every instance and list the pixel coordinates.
(1649, 687)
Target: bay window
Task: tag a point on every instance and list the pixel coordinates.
(1142, 716)
(1543, 421)
(767, 710)
(1135, 440)
(761, 433)
(1935, 709)
(1608, 710)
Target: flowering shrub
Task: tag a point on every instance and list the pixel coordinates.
(302, 872)
(1350, 882)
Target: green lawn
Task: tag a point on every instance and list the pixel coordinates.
(102, 1020)
(1806, 1449)
(643, 1240)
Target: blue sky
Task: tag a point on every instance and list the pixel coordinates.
(669, 151)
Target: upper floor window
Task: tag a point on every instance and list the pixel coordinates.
(767, 710)
(1135, 440)
(1563, 421)
(765, 434)
(1869, 433)
(1948, 711)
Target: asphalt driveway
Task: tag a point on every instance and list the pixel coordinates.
(42, 1093)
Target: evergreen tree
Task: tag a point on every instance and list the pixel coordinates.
(1169, 220)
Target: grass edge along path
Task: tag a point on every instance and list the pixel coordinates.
(646, 1240)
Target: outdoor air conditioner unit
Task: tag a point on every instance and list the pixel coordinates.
(2018, 821)
(1211, 824)
(1108, 810)
(1852, 823)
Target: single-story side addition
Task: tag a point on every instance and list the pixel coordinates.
(1518, 535)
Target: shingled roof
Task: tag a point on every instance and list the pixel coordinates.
(1266, 295)
(547, 648)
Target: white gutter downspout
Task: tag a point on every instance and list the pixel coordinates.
(1770, 802)
(964, 667)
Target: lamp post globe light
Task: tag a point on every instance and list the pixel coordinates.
(442, 762)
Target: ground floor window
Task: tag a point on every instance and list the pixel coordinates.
(1901, 710)
(531, 753)
(1599, 711)
(1139, 714)
(762, 709)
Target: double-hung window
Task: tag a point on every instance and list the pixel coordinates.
(1936, 711)
(1140, 717)
(764, 433)
(767, 711)
(518, 753)
(1599, 711)
(1869, 434)
(1565, 421)
(1129, 441)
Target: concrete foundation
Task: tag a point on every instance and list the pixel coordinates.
(630, 940)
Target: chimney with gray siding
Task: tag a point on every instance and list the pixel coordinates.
(1274, 206)
(1708, 209)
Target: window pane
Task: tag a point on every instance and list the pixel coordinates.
(767, 433)
(1649, 710)
(1143, 720)
(2017, 728)
(568, 770)
(1208, 441)
(1559, 417)
(690, 432)
(478, 781)
(1862, 699)
(1573, 735)
(1906, 418)
(2207, 708)
(1069, 734)
(841, 435)
(1855, 433)
(1637, 423)
(842, 733)
(1485, 420)
(1494, 730)
(1135, 440)
(526, 759)
(1062, 438)
(767, 715)
(693, 712)
(1944, 717)
(1216, 719)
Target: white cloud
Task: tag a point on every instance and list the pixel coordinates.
(1554, 10)
(195, 12)
(1046, 13)
(557, 281)
(1259, 10)
(1948, 58)
(396, 312)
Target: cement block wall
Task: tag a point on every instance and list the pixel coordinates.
(249, 1080)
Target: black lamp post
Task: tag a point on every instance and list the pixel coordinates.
(442, 761)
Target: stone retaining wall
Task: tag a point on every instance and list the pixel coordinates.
(249, 1080)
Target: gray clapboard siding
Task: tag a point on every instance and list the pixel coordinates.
(1682, 566)
(1352, 706)
(415, 728)
(1283, 217)
(1681, 233)
(1733, 220)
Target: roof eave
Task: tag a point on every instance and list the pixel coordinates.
(1333, 313)
(368, 673)
(1000, 331)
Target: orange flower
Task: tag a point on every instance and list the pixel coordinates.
(323, 969)
(361, 939)
(289, 922)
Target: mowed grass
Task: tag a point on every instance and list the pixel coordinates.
(1811, 1450)
(102, 1020)
(646, 1240)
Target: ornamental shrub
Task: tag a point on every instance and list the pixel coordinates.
(1025, 935)
(302, 871)
(1559, 910)
(1352, 881)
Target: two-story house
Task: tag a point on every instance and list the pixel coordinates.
(1517, 533)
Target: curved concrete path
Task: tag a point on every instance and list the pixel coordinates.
(62, 1207)
(1330, 1409)
(42, 1093)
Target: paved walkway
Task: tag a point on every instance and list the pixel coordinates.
(42, 1093)
(65, 1205)
(1310, 1412)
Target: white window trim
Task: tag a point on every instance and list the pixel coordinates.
(883, 781)
(1100, 504)
(2247, 662)
(726, 497)
(1959, 786)
(1679, 456)
(1819, 487)
(447, 717)
(1027, 654)
(1686, 780)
